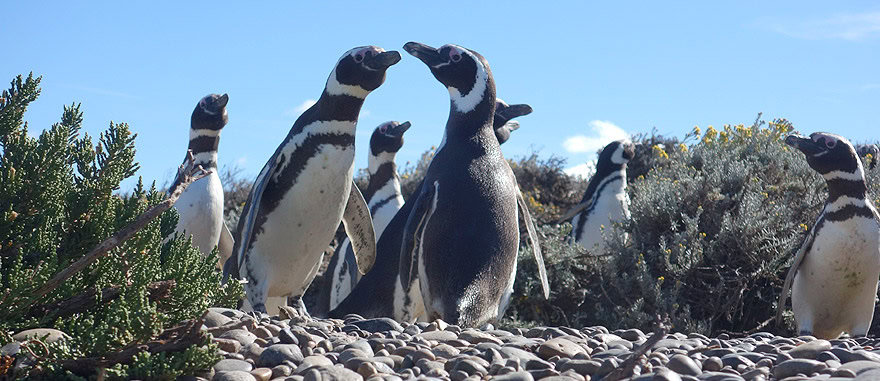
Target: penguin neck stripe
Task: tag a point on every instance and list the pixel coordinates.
(375, 162)
(204, 143)
(382, 203)
(335, 88)
(384, 174)
(335, 108)
(468, 102)
(194, 132)
(848, 212)
(838, 188)
(858, 175)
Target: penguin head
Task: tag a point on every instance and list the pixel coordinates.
(615, 155)
(504, 113)
(827, 153)
(464, 72)
(868, 149)
(210, 113)
(360, 71)
(388, 137)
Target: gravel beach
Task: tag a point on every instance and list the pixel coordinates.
(298, 349)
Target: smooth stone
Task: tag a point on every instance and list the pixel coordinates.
(733, 360)
(543, 373)
(235, 375)
(10, 349)
(312, 361)
(445, 351)
(352, 353)
(523, 356)
(559, 347)
(684, 365)
(363, 345)
(230, 365)
(477, 337)
(335, 373)
(216, 319)
(810, 350)
(366, 370)
(846, 356)
(242, 336)
(48, 335)
(870, 375)
(712, 364)
(228, 345)
(279, 353)
(378, 325)
(719, 376)
(440, 336)
(755, 373)
(252, 351)
(228, 312)
(584, 367)
(262, 374)
(515, 376)
(281, 371)
(470, 367)
(860, 366)
(792, 367)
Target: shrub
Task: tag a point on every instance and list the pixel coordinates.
(57, 204)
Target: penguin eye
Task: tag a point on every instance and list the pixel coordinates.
(359, 57)
(830, 143)
(384, 128)
(454, 55)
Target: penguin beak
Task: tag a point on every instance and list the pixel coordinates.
(804, 144)
(222, 101)
(502, 116)
(425, 53)
(401, 128)
(382, 60)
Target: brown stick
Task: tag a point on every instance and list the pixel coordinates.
(88, 299)
(625, 369)
(189, 174)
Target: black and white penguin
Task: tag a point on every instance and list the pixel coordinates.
(869, 149)
(462, 234)
(384, 198)
(200, 206)
(305, 190)
(605, 199)
(380, 292)
(833, 278)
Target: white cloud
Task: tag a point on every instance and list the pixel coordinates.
(296, 111)
(604, 132)
(584, 170)
(241, 162)
(844, 26)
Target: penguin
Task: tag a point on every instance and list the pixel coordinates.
(462, 236)
(200, 206)
(306, 189)
(833, 278)
(605, 199)
(384, 198)
(380, 292)
(869, 149)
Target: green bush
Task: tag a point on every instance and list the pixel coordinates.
(57, 203)
(714, 227)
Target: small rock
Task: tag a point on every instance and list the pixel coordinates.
(47, 335)
(810, 350)
(794, 366)
(228, 345)
(366, 369)
(230, 365)
(235, 375)
(262, 374)
(281, 371)
(712, 364)
(242, 336)
(515, 376)
(310, 362)
(279, 353)
(378, 325)
(477, 337)
(216, 319)
(860, 366)
(684, 365)
(559, 347)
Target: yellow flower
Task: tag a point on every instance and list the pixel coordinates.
(661, 278)
(659, 151)
(804, 226)
(682, 147)
(697, 130)
(702, 235)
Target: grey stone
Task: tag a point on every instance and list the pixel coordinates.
(477, 337)
(242, 336)
(515, 376)
(584, 367)
(378, 325)
(810, 350)
(523, 356)
(440, 336)
(215, 319)
(794, 366)
(279, 353)
(712, 364)
(860, 366)
(312, 361)
(559, 347)
(229, 365)
(684, 365)
(235, 375)
(48, 335)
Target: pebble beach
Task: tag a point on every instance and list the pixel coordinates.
(295, 348)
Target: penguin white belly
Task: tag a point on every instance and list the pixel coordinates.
(341, 281)
(606, 211)
(382, 217)
(410, 306)
(201, 212)
(835, 286)
(292, 240)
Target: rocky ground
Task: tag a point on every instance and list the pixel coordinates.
(299, 349)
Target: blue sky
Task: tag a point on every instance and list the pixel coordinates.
(591, 71)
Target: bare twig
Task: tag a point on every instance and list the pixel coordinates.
(625, 370)
(190, 174)
(88, 298)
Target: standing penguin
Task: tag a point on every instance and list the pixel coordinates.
(833, 278)
(462, 234)
(380, 293)
(305, 190)
(605, 200)
(200, 206)
(384, 198)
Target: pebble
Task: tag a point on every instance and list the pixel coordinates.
(300, 349)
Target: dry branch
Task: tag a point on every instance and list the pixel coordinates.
(89, 298)
(190, 174)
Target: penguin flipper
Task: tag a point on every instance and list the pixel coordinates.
(359, 228)
(533, 241)
(574, 211)
(412, 233)
(226, 243)
(798, 259)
